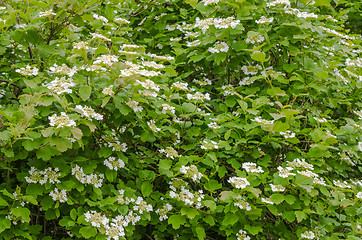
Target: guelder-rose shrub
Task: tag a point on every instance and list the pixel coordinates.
(172, 119)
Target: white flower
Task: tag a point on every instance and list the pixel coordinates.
(47, 13)
(193, 44)
(308, 235)
(238, 182)
(251, 70)
(209, 144)
(121, 21)
(134, 105)
(89, 113)
(278, 2)
(63, 69)
(114, 164)
(208, 2)
(339, 183)
(359, 195)
(288, 134)
(166, 107)
(252, 167)
(101, 18)
(226, 22)
(180, 86)
(61, 121)
(28, 71)
(267, 200)
(96, 219)
(213, 125)
(285, 172)
(106, 59)
(163, 211)
(277, 188)
(152, 125)
(59, 196)
(308, 173)
(100, 36)
(60, 85)
(264, 20)
(306, 15)
(142, 206)
(241, 203)
(170, 152)
(191, 172)
(108, 91)
(359, 146)
(242, 235)
(219, 47)
(198, 96)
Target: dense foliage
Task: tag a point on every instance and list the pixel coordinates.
(179, 119)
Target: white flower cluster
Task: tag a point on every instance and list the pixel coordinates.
(166, 107)
(108, 91)
(193, 43)
(278, 2)
(300, 163)
(204, 82)
(285, 172)
(64, 70)
(359, 195)
(89, 113)
(247, 81)
(263, 122)
(306, 15)
(106, 60)
(251, 70)
(252, 167)
(267, 200)
(242, 235)
(228, 90)
(153, 64)
(134, 105)
(288, 134)
(163, 211)
(100, 36)
(121, 21)
(263, 20)
(254, 37)
(209, 145)
(191, 172)
(239, 182)
(308, 235)
(208, 2)
(92, 179)
(339, 183)
(198, 96)
(60, 85)
(152, 125)
(81, 45)
(180, 86)
(354, 63)
(241, 203)
(277, 188)
(38, 176)
(213, 125)
(47, 13)
(204, 24)
(61, 121)
(188, 198)
(101, 18)
(2, 93)
(142, 206)
(334, 32)
(28, 71)
(219, 47)
(60, 196)
(114, 142)
(113, 163)
(170, 152)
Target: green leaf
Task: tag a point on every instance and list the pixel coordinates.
(176, 221)
(146, 188)
(200, 231)
(230, 219)
(210, 204)
(289, 199)
(280, 126)
(213, 185)
(258, 56)
(73, 214)
(300, 215)
(62, 144)
(188, 107)
(189, 212)
(209, 220)
(277, 198)
(4, 224)
(21, 212)
(3, 202)
(85, 92)
(253, 230)
(88, 232)
(30, 199)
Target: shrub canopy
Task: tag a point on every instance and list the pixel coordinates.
(212, 119)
